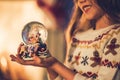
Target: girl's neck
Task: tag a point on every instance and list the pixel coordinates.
(103, 22)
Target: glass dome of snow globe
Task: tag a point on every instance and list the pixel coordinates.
(34, 35)
(34, 32)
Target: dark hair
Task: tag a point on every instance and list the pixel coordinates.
(112, 8)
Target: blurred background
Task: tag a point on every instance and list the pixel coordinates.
(14, 14)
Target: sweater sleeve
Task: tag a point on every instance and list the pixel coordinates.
(110, 62)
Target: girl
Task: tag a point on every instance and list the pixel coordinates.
(93, 44)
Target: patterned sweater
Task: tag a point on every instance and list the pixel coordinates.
(95, 54)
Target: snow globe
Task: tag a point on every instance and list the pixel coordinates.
(34, 35)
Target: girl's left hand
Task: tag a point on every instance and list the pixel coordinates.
(37, 61)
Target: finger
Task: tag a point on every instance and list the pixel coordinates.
(18, 55)
(19, 47)
(48, 52)
(21, 61)
(13, 58)
(16, 59)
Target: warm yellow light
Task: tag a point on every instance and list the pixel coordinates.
(3, 62)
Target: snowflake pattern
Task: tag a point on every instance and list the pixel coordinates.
(85, 60)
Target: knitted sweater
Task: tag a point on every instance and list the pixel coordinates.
(95, 54)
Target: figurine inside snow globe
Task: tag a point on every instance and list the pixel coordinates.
(34, 35)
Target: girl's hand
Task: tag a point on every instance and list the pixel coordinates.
(37, 61)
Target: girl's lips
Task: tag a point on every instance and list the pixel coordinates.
(86, 8)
